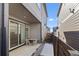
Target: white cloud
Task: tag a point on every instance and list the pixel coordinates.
(51, 19)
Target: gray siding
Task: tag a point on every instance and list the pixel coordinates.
(73, 39)
(69, 24)
(65, 10)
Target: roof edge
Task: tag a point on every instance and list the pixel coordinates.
(44, 4)
(59, 9)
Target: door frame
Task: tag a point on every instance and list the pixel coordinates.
(15, 20)
(9, 33)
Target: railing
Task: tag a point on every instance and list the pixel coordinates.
(61, 48)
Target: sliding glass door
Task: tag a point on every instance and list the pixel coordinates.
(22, 31)
(16, 33)
(13, 34)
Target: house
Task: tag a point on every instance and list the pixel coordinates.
(68, 24)
(55, 31)
(20, 23)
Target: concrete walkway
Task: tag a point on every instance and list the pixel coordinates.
(44, 50)
(47, 50)
(24, 50)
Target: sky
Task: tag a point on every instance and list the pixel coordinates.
(52, 9)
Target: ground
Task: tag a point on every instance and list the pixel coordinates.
(43, 49)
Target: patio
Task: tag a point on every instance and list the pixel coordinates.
(26, 50)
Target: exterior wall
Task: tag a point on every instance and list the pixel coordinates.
(64, 23)
(32, 24)
(44, 22)
(65, 12)
(35, 32)
(69, 24)
(44, 32)
(29, 30)
(40, 13)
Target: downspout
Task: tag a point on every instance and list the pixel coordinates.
(4, 44)
(3, 34)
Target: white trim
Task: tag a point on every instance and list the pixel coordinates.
(9, 34)
(29, 30)
(18, 20)
(16, 46)
(67, 18)
(18, 33)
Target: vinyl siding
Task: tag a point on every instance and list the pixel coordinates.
(69, 25)
(65, 10)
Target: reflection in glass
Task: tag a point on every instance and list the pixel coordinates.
(22, 26)
(13, 34)
(17, 33)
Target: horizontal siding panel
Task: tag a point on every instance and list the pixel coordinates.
(70, 27)
(72, 23)
(65, 10)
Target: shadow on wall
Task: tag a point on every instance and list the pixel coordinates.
(72, 38)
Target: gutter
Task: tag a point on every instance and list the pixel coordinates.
(59, 10)
(44, 4)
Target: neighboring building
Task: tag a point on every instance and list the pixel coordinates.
(68, 30)
(22, 22)
(48, 29)
(55, 31)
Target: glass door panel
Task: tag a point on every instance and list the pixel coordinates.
(13, 34)
(19, 33)
(22, 29)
